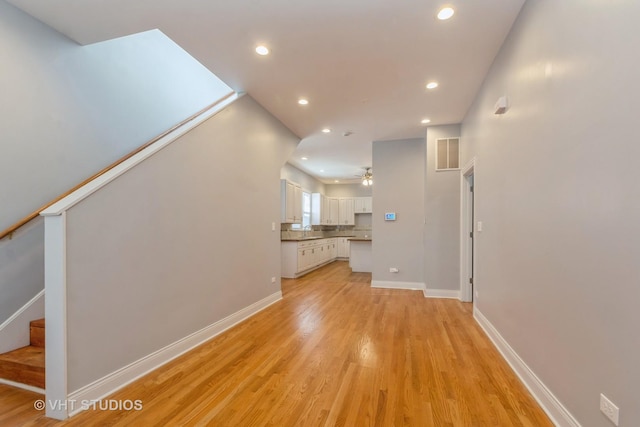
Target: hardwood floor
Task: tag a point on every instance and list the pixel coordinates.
(334, 352)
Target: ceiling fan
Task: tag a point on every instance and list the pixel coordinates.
(367, 177)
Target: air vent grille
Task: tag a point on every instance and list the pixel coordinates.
(447, 154)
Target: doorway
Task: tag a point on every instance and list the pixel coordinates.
(467, 233)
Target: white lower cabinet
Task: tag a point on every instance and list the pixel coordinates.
(299, 258)
(333, 248)
(343, 247)
(303, 259)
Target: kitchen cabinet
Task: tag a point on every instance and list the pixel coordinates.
(305, 259)
(343, 247)
(334, 211)
(324, 210)
(301, 257)
(291, 202)
(331, 248)
(334, 248)
(346, 211)
(363, 205)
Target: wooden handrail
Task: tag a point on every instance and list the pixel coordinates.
(9, 231)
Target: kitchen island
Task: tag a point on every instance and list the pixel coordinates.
(360, 258)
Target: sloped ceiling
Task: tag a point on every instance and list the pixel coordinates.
(362, 64)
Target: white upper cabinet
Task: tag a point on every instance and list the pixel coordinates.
(297, 204)
(346, 211)
(324, 210)
(291, 202)
(363, 205)
(334, 211)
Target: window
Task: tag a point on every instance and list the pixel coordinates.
(447, 153)
(306, 213)
(306, 210)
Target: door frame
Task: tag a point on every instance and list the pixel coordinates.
(467, 264)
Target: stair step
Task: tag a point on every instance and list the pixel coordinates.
(37, 323)
(36, 329)
(24, 365)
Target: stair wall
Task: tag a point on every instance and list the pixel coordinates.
(15, 332)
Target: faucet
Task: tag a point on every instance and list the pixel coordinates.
(304, 230)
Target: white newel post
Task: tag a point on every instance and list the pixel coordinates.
(55, 280)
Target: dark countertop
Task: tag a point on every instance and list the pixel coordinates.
(360, 239)
(301, 239)
(304, 239)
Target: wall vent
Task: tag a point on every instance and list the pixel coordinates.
(447, 154)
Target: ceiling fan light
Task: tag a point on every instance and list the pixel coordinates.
(367, 178)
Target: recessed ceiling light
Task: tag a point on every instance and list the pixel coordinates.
(262, 50)
(326, 130)
(321, 170)
(445, 13)
(432, 85)
(304, 158)
(425, 121)
(303, 101)
(337, 180)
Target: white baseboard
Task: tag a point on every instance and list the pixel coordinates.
(116, 380)
(397, 285)
(22, 386)
(14, 332)
(441, 293)
(554, 409)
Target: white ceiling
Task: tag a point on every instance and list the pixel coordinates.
(362, 64)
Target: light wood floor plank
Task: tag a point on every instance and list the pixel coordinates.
(333, 352)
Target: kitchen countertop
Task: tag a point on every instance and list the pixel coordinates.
(360, 239)
(304, 239)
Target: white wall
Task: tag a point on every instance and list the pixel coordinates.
(307, 182)
(556, 185)
(348, 190)
(176, 244)
(67, 111)
(21, 268)
(398, 187)
(442, 218)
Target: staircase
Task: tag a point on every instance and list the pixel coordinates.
(26, 365)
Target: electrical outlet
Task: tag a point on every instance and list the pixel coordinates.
(273, 280)
(393, 270)
(609, 409)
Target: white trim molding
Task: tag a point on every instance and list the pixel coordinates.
(55, 313)
(559, 415)
(465, 227)
(22, 386)
(109, 384)
(414, 286)
(14, 332)
(441, 293)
